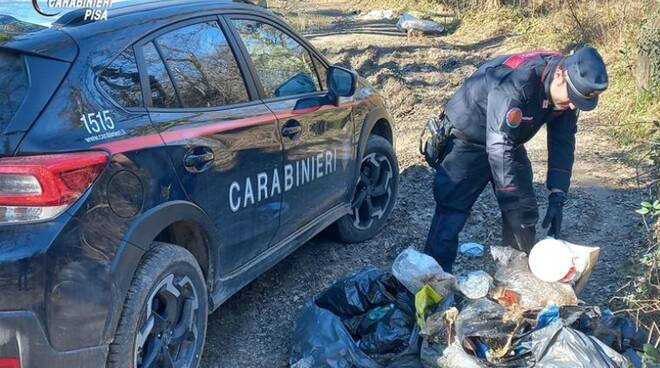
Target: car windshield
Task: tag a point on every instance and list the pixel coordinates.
(14, 85)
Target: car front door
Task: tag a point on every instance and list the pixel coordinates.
(223, 141)
(317, 133)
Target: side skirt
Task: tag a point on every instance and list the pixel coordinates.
(232, 283)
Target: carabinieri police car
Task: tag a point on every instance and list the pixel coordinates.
(153, 164)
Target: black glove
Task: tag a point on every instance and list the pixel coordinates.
(554, 215)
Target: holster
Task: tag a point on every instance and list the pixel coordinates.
(433, 139)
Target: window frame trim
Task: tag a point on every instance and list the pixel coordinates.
(282, 27)
(146, 86)
(106, 95)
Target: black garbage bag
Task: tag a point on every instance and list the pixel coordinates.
(618, 332)
(322, 340)
(388, 334)
(362, 291)
(365, 320)
(557, 346)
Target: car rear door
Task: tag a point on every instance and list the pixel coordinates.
(317, 134)
(223, 141)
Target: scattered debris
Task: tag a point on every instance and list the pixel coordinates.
(409, 23)
(475, 285)
(513, 273)
(557, 260)
(414, 270)
(374, 319)
(472, 249)
(383, 14)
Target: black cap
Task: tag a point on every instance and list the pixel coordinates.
(586, 77)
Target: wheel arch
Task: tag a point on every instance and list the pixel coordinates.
(178, 222)
(379, 122)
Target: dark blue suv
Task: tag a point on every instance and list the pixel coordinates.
(153, 164)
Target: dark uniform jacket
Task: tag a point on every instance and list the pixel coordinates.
(502, 106)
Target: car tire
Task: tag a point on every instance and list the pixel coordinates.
(375, 193)
(157, 324)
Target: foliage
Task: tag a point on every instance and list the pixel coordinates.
(650, 209)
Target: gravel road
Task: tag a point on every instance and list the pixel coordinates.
(417, 75)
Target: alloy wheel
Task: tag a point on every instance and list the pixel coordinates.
(169, 335)
(374, 191)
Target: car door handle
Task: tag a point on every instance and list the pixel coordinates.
(197, 160)
(292, 129)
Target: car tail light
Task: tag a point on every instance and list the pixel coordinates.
(10, 363)
(37, 188)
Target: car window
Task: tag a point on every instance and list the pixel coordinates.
(162, 88)
(13, 86)
(285, 67)
(121, 80)
(203, 67)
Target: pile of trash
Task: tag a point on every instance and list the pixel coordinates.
(409, 23)
(406, 23)
(419, 316)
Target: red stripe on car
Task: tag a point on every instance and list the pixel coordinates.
(156, 140)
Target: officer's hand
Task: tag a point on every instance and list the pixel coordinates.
(554, 215)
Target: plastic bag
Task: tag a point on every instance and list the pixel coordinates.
(322, 340)
(471, 249)
(366, 310)
(547, 316)
(386, 333)
(414, 270)
(425, 299)
(455, 357)
(484, 322)
(556, 346)
(431, 352)
(475, 285)
(360, 292)
(408, 22)
(436, 327)
(513, 273)
(617, 332)
(558, 260)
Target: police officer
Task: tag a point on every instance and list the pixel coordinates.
(496, 111)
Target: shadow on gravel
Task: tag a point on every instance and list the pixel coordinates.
(482, 45)
(367, 27)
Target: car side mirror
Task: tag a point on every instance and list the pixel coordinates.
(342, 82)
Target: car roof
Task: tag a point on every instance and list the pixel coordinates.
(124, 16)
(119, 12)
(131, 21)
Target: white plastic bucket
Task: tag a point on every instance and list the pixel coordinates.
(552, 260)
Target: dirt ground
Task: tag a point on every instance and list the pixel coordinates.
(417, 75)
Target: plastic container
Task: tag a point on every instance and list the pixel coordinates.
(557, 260)
(552, 260)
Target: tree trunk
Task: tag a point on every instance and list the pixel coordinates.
(647, 71)
(493, 4)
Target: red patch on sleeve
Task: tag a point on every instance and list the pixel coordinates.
(514, 117)
(514, 61)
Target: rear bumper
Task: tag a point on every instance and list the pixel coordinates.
(22, 336)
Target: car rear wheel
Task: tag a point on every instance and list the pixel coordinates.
(163, 323)
(375, 193)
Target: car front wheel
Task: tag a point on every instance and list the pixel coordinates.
(375, 194)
